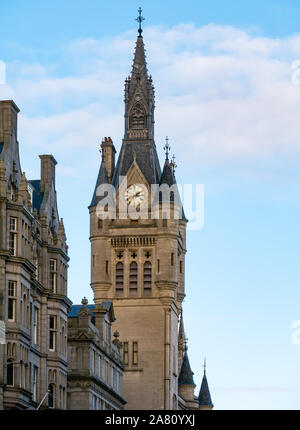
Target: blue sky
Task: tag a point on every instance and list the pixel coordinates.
(226, 98)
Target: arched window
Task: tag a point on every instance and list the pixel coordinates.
(137, 118)
(147, 277)
(51, 395)
(119, 278)
(10, 372)
(133, 278)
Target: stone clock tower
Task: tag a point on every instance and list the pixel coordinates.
(138, 262)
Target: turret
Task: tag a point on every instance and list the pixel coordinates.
(204, 397)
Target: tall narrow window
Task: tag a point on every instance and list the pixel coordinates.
(125, 352)
(158, 265)
(147, 277)
(35, 383)
(106, 267)
(13, 236)
(63, 340)
(52, 332)
(133, 278)
(134, 353)
(51, 395)
(10, 373)
(53, 275)
(180, 266)
(36, 326)
(11, 303)
(119, 278)
(172, 259)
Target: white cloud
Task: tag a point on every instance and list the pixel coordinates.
(221, 92)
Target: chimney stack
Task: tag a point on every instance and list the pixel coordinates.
(48, 164)
(108, 152)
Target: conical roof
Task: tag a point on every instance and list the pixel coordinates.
(102, 179)
(204, 397)
(186, 374)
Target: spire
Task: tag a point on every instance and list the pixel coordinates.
(139, 95)
(204, 397)
(181, 334)
(186, 374)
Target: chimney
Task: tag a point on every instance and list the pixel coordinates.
(108, 152)
(48, 164)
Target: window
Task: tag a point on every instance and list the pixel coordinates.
(10, 373)
(158, 266)
(51, 395)
(11, 303)
(25, 308)
(119, 278)
(35, 383)
(53, 275)
(133, 278)
(147, 277)
(125, 352)
(180, 266)
(106, 267)
(52, 332)
(99, 366)
(36, 326)
(134, 353)
(137, 117)
(13, 236)
(172, 259)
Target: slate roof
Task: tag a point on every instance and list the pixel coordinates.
(204, 397)
(167, 176)
(146, 159)
(76, 308)
(185, 375)
(37, 195)
(102, 179)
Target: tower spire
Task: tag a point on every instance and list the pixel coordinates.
(204, 397)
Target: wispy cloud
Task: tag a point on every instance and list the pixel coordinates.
(221, 92)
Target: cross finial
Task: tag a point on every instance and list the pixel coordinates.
(167, 148)
(140, 19)
(204, 365)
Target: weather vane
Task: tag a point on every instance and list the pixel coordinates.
(140, 19)
(167, 148)
(204, 365)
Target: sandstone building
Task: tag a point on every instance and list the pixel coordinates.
(138, 262)
(95, 365)
(33, 279)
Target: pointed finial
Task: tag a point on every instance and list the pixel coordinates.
(204, 365)
(101, 150)
(84, 301)
(167, 148)
(140, 19)
(173, 164)
(185, 347)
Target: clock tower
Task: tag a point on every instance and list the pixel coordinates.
(138, 261)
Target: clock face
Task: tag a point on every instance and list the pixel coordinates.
(134, 195)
